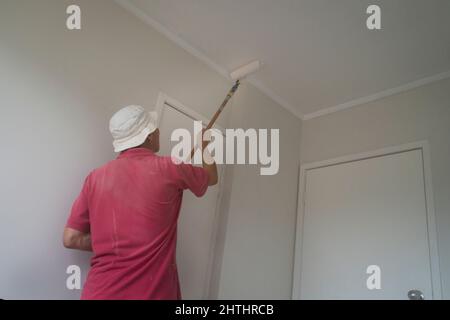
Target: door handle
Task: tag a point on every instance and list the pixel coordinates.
(415, 294)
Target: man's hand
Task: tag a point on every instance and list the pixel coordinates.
(74, 239)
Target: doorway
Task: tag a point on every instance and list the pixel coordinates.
(197, 224)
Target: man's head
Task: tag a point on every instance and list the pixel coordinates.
(133, 127)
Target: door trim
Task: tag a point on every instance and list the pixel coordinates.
(177, 105)
(162, 101)
(423, 146)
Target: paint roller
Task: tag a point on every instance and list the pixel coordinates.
(237, 75)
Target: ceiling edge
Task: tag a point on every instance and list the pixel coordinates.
(201, 56)
(378, 95)
(126, 4)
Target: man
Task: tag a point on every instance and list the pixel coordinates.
(127, 213)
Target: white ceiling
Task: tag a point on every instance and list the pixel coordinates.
(318, 55)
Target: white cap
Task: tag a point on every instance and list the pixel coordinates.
(130, 126)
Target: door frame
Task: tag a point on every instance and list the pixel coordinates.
(162, 101)
(424, 147)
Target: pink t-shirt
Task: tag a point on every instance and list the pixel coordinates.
(131, 206)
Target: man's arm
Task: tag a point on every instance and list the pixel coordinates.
(210, 168)
(212, 173)
(74, 239)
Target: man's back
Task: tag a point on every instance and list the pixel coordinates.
(131, 206)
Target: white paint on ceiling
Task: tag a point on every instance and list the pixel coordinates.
(318, 55)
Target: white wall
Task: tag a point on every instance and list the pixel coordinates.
(258, 255)
(420, 114)
(58, 89)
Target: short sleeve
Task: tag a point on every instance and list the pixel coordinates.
(187, 176)
(79, 215)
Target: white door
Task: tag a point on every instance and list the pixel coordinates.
(370, 212)
(197, 217)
